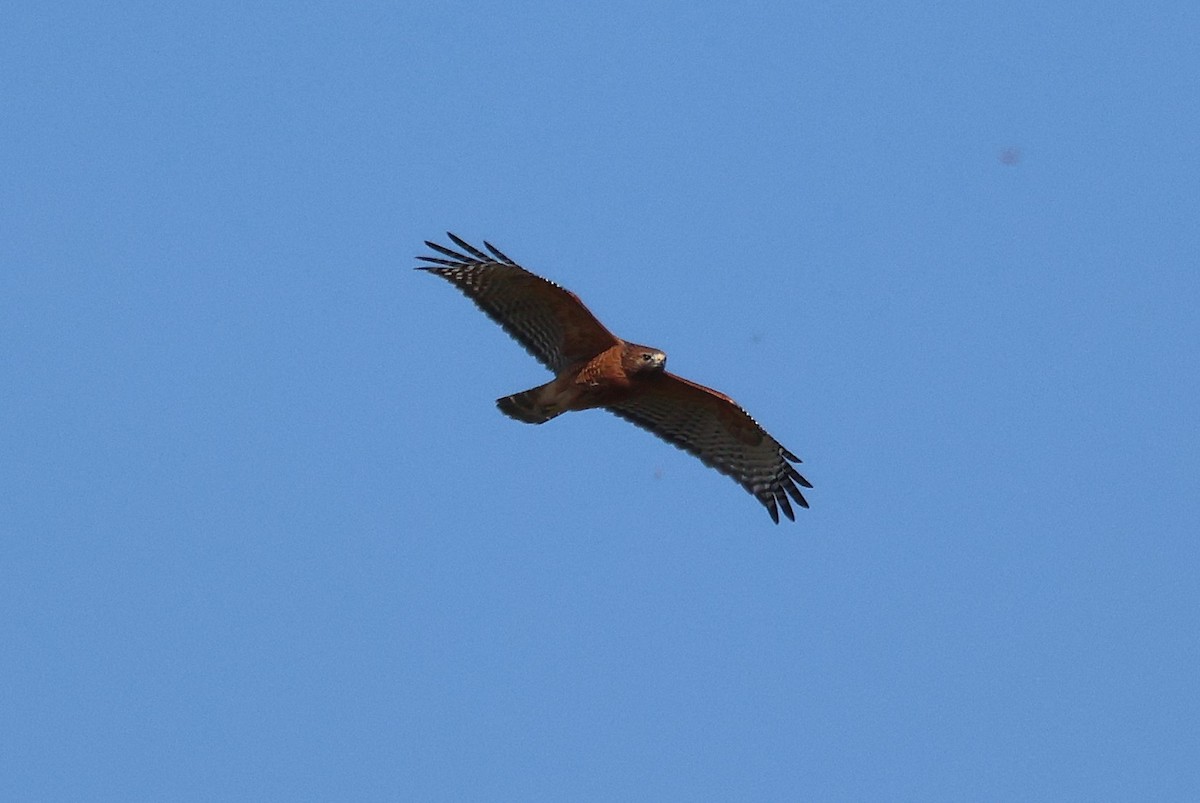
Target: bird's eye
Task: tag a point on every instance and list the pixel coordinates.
(645, 358)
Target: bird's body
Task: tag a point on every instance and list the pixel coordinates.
(608, 378)
(595, 369)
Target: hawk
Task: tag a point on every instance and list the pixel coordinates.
(594, 368)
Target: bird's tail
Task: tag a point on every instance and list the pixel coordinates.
(527, 406)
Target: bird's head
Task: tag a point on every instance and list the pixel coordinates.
(644, 360)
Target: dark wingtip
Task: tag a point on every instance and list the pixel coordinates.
(470, 249)
(496, 252)
(788, 486)
(441, 249)
(470, 252)
(773, 509)
(785, 504)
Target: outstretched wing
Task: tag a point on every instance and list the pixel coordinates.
(711, 426)
(549, 321)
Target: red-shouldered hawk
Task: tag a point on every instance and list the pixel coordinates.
(595, 368)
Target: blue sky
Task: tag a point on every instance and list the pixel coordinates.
(265, 535)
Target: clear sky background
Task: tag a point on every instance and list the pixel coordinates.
(265, 535)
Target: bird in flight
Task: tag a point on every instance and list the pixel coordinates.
(594, 368)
